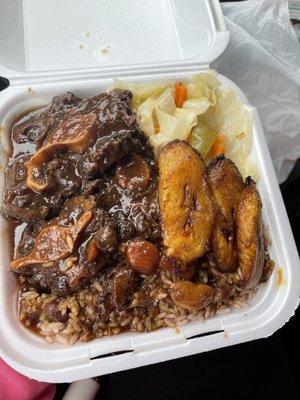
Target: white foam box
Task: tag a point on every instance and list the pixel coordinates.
(48, 48)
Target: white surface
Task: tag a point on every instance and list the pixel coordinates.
(12, 49)
(294, 7)
(263, 58)
(105, 23)
(270, 309)
(72, 35)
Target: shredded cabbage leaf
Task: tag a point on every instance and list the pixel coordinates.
(176, 126)
(202, 137)
(145, 117)
(209, 110)
(166, 103)
(141, 91)
(234, 120)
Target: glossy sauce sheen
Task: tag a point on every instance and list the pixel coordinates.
(69, 157)
(82, 199)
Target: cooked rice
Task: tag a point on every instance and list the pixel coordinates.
(83, 322)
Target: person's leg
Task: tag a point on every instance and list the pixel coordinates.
(16, 386)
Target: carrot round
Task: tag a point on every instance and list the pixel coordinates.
(143, 256)
(181, 94)
(218, 146)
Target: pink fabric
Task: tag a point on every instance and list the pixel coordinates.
(15, 386)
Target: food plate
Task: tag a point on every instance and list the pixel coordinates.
(270, 309)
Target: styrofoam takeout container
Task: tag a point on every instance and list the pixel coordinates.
(46, 50)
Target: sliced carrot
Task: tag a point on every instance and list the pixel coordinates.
(181, 94)
(143, 256)
(218, 146)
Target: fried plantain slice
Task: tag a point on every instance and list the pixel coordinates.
(226, 184)
(250, 241)
(223, 244)
(193, 296)
(185, 202)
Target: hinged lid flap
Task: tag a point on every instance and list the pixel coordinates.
(41, 39)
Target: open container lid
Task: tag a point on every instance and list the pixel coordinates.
(40, 41)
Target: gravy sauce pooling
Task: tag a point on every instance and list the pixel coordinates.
(81, 183)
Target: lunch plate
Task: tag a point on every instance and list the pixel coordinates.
(81, 46)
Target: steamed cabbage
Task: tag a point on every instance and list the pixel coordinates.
(199, 106)
(202, 137)
(144, 116)
(166, 103)
(141, 91)
(233, 119)
(209, 110)
(176, 126)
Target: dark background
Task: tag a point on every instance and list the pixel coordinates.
(263, 369)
